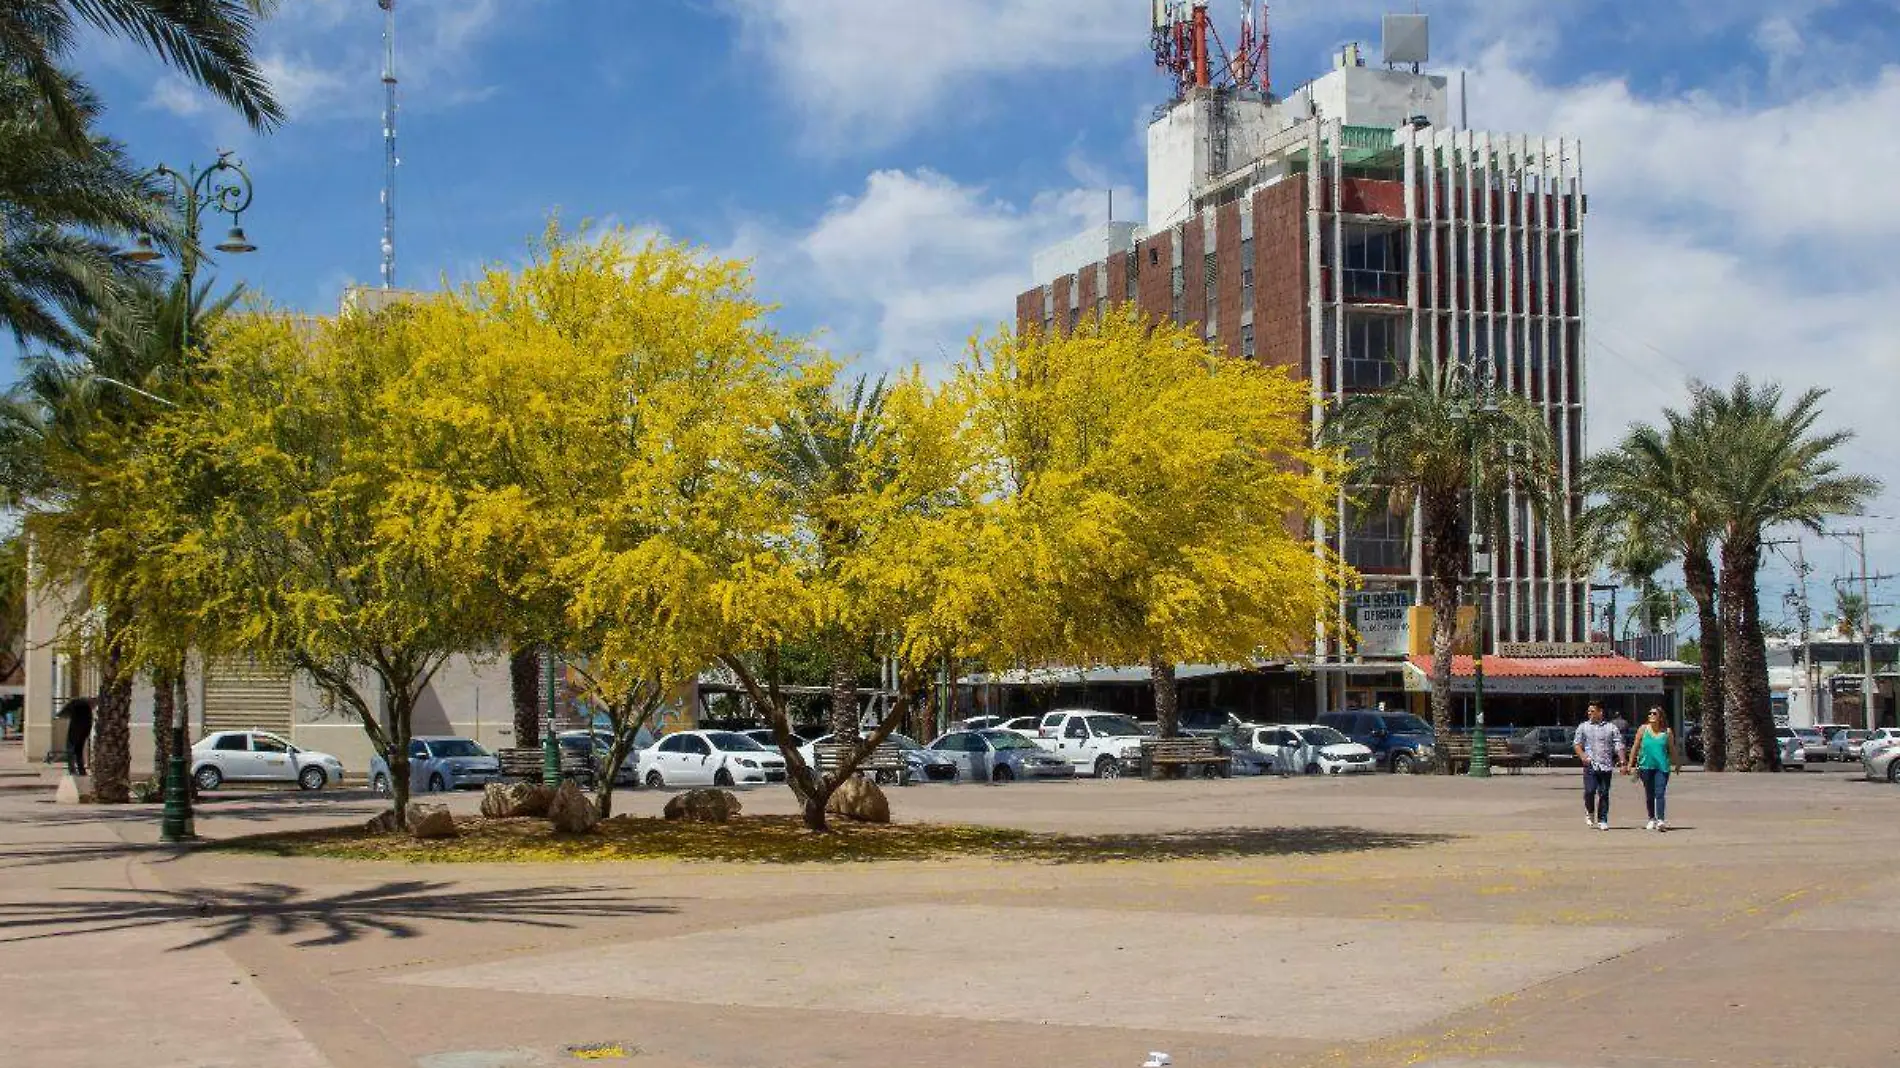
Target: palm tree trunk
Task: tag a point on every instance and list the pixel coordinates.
(1698, 573)
(1442, 543)
(1167, 696)
(524, 684)
(844, 689)
(164, 701)
(1744, 657)
(112, 727)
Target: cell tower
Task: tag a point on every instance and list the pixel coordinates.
(1189, 47)
(389, 142)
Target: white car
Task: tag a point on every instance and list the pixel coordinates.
(709, 758)
(1094, 743)
(1325, 750)
(1029, 727)
(259, 756)
(1880, 738)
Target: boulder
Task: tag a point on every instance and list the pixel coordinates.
(383, 822)
(571, 811)
(501, 801)
(860, 798)
(703, 806)
(431, 821)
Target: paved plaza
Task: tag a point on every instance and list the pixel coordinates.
(1376, 922)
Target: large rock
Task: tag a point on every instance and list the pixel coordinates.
(572, 811)
(501, 801)
(703, 806)
(383, 822)
(859, 798)
(430, 821)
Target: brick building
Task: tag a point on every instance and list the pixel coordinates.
(1347, 232)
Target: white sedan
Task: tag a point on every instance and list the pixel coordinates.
(259, 756)
(709, 758)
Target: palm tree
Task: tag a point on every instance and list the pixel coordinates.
(208, 41)
(1770, 470)
(1851, 615)
(826, 451)
(1653, 487)
(1444, 443)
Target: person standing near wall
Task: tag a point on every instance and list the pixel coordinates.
(78, 716)
(1599, 748)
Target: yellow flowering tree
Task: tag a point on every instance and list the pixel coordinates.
(1152, 501)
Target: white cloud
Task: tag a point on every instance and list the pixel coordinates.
(905, 270)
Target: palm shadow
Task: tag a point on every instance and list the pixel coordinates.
(41, 855)
(1230, 842)
(393, 909)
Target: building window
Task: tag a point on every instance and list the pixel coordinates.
(1377, 540)
(1246, 340)
(1246, 271)
(1375, 354)
(1374, 264)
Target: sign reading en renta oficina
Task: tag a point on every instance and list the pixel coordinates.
(1379, 616)
(1552, 650)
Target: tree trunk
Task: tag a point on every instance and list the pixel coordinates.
(1167, 696)
(111, 764)
(844, 689)
(524, 682)
(164, 701)
(815, 812)
(1698, 573)
(1444, 557)
(1744, 658)
(400, 709)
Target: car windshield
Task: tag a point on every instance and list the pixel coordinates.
(728, 742)
(455, 747)
(1116, 726)
(1405, 723)
(1323, 736)
(904, 742)
(1006, 740)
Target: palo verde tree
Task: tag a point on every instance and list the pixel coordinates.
(301, 494)
(1441, 440)
(1150, 495)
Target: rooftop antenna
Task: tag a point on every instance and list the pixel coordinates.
(389, 142)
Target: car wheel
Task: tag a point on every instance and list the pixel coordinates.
(1404, 764)
(722, 777)
(1893, 772)
(1540, 761)
(312, 778)
(208, 778)
(436, 784)
(655, 781)
(1003, 773)
(379, 785)
(885, 778)
(1108, 768)
(1312, 768)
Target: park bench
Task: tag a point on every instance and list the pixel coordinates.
(525, 765)
(1497, 752)
(1170, 756)
(886, 763)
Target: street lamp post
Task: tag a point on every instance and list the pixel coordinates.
(1480, 572)
(223, 187)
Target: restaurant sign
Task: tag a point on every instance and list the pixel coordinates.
(1551, 650)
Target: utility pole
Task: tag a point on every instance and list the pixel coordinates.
(1802, 613)
(1859, 541)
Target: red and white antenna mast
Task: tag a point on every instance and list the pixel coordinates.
(1188, 47)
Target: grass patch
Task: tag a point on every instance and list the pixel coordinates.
(784, 840)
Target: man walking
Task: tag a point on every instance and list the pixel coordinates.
(1599, 747)
(78, 716)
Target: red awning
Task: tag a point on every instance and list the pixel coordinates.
(1546, 675)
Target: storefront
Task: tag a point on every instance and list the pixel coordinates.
(1538, 685)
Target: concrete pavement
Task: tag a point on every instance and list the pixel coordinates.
(1383, 921)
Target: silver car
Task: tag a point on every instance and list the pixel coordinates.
(452, 763)
(1881, 763)
(1000, 756)
(1793, 749)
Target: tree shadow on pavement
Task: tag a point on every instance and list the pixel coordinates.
(249, 808)
(392, 910)
(1230, 842)
(40, 855)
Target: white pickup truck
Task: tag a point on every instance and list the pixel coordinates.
(1097, 743)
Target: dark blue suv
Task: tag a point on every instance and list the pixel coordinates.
(1399, 741)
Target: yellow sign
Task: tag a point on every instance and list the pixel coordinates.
(1419, 631)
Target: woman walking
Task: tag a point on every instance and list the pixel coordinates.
(1654, 757)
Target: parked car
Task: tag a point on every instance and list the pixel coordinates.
(259, 756)
(1281, 747)
(1399, 741)
(921, 765)
(1814, 748)
(1793, 750)
(1208, 721)
(1829, 730)
(451, 763)
(1846, 744)
(978, 723)
(709, 758)
(1097, 743)
(763, 736)
(1000, 756)
(1541, 746)
(1324, 750)
(596, 744)
(1880, 738)
(1236, 740)
(1028, 726)
(1881, 763)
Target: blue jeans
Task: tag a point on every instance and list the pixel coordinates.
(1596, 794)
(1655, 791)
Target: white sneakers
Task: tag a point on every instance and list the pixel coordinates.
(1604, 826)
(1656, 825)
(1650, 826)
(1590, 822)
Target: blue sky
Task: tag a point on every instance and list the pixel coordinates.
(891, 165)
